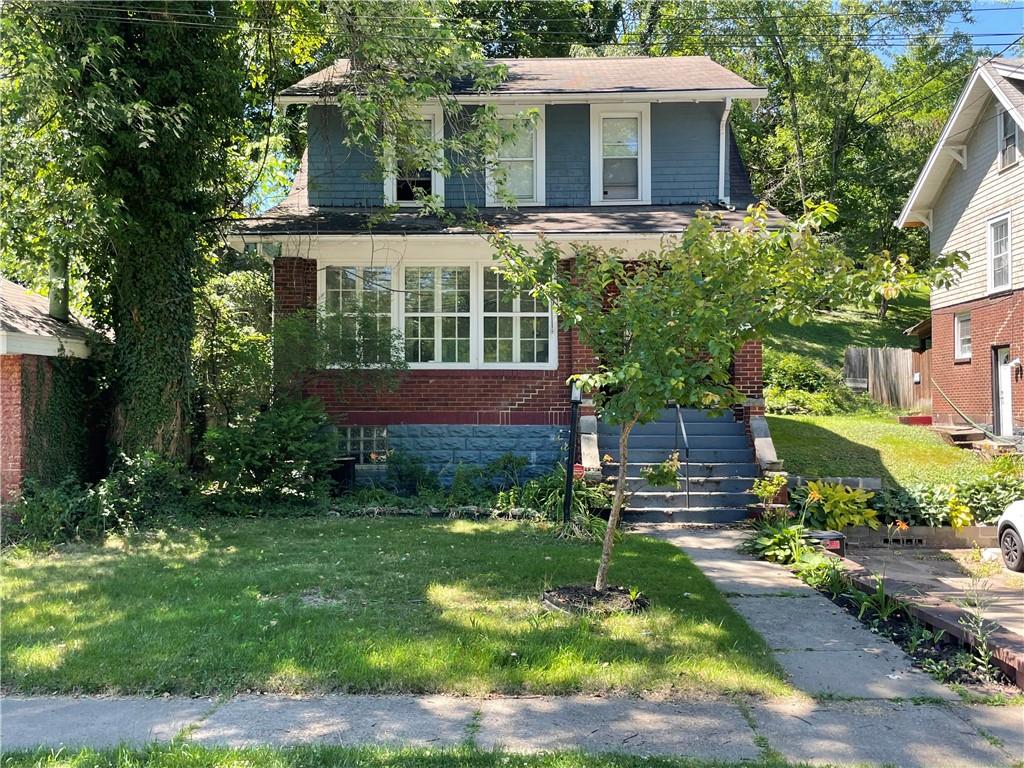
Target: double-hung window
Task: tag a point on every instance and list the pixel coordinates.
(962, 336)
(516, 326)
(361, 295)
(1009, 139)
(438, 316)
(999, 267)
(407, 183)
(517, 170)
(620, 154)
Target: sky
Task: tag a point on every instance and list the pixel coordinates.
(995, 24)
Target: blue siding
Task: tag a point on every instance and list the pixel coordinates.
(684, 152)
(463, 190)
(339, 175)
(567, 155)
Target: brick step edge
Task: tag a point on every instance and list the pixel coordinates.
(1007, 647)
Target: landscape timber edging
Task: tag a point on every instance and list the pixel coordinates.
(941, 537)
(1007, 647)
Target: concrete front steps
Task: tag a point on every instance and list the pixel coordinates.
(721, 470)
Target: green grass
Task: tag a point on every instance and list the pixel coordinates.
(826, 337)
(188, 756)
(367, 605)
(868, 446)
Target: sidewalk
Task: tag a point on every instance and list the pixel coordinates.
(855, 732)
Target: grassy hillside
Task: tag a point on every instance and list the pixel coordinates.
(828, 335)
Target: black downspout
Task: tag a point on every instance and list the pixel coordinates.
(570, 461)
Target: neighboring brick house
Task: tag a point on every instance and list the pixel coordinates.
(970, 195)
(29, 340)
(625, 152)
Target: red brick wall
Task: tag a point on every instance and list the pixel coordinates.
(17, 404)
(996, 321)
(748, 376)
(12, 428)
(463, 396)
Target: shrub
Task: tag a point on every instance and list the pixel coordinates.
(780, 541)
(988, 496)
(834, 506)
(142, 487)
(282, 455)
(984, 498)
(545, 495)
(407, 475)
(827, 402)
(789, 371)
(62, 512)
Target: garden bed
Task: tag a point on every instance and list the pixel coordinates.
(586, 599)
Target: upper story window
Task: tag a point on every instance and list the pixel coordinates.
(999, 267)
(519, 162)
(407, 186)
(962, 336)
(620, 154)
(1009, 139)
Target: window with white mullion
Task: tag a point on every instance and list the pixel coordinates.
(516, 326)
(620, 157)
(1009, 147)
(437, 307)
(999, 253)
(348, 291)
(517, 159)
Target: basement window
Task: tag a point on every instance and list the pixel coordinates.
(368, 444)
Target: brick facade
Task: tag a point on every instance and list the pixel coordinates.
(996, 321)
(17, 403)
(510, 397)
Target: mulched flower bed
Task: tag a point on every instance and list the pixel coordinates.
(943, 658)
(585, 599)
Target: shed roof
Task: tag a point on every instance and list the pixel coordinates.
(27, 328)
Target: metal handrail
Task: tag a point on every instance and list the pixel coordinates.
(681, 430)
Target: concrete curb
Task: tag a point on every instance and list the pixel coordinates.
(1007, 647)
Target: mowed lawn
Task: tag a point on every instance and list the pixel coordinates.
(865, 445)
(367, 605)
(189, 756)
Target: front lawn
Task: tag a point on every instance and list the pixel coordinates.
(187, 756)
(363, 605)
(863, 445)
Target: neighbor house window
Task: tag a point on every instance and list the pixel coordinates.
(620, 155)
(437, 314)
(517, 326)
(407, 185)
(962, 335)
(999, 278)
(519, 162)
(368, 444)
(1009, 137)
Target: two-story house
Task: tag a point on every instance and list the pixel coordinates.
(970, 195)
(625, 151)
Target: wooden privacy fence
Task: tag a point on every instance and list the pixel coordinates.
(885, 373)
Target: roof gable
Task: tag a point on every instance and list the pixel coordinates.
(1001, 78)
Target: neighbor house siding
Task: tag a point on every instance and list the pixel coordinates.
(684, 159)
(567, 156)
(969, 199)
(339, 175)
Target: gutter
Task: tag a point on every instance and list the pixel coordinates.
(723, 135)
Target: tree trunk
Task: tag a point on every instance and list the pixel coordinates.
(613, 520)
(58, 285)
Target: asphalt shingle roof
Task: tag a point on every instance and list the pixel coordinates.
(22, 311)
(555, 76)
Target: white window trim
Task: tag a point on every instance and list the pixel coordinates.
(957, 319)
(476, 281)
(992, 287)
(1001, 113)
(435, 114)
(597, 113)
(539, 172)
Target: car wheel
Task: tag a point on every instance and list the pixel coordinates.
(1013, 550)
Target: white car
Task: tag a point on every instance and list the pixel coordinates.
(1010, 529)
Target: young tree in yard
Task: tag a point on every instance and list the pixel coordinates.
(665, 326)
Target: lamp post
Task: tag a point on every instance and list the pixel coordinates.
(575, 398)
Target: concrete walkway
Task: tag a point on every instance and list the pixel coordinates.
(835, 733)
